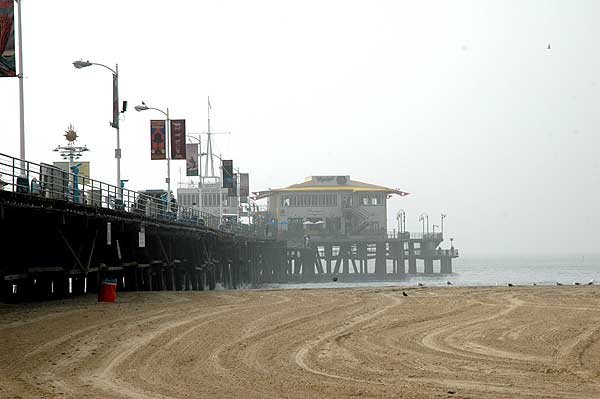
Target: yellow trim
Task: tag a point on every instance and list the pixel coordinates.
(334, 188)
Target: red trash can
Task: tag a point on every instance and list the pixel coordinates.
(108, 291)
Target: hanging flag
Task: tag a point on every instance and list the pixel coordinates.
(227, 170)
(244, 188)
(178, 139)
(7, 39)
(157, 139)
(191, 160)
(115, 122)
(232, 192)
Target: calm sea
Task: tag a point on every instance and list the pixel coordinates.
(499, 270)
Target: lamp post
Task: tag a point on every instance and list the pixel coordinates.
(443, 217)
(72, 152)
(115, 122)
(424, 216)
(401, 218)
(144, 107)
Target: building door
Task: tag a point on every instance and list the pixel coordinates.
(347, 201)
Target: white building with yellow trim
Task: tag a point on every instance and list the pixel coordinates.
(330, 206)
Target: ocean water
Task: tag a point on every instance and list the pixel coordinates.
(493, 270)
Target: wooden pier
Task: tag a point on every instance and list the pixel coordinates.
(68, 236)
(55, 249)
(369, 259)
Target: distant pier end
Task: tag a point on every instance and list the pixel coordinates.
(337, 227)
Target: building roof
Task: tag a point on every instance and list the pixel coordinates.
(330, 183)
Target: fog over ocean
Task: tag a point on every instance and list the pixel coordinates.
(493, 270)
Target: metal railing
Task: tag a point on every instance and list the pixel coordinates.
(48, 181)
(416, 236)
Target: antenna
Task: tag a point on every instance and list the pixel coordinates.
(209, 148)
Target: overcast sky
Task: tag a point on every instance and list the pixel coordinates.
(459, 103)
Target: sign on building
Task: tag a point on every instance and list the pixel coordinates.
(84, 169)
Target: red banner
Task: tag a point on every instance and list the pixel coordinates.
(7, 39)
(178, 139)
(157, 139)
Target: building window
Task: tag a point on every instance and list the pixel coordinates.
(372, 199)
(321, 200)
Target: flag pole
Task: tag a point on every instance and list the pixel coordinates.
(21, 101)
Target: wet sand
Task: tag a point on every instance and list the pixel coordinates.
(459, 342)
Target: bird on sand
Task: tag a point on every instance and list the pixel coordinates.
(557, 283)
(421, 285)
(576, 283)
(591, 282)
(533, 283)
(404, 293)
(448, 282)
(509, 285)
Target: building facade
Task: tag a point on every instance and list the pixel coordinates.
(206, 198)
(329, 206)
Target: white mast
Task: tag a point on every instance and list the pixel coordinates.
(21, 100)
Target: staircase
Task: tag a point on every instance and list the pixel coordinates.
(363, 217)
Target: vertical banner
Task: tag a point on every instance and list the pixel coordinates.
(227, 167)
(157, 140)
(8, 66)
(233, 191)
(115, 122)
(191, 160)
(244, 188)
(178, 139)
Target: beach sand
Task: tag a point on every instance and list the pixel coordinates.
(459, 342)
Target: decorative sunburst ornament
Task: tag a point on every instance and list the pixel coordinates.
(71, 134)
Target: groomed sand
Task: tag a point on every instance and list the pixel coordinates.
(488, 342)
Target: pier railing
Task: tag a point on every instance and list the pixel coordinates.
(416, 236)
(48, 181)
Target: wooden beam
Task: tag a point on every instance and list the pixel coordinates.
(71, 250)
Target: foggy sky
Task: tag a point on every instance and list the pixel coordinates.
(459, 103)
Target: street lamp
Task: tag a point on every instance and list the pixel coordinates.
(401, 218)
(144, 107)
(115, 122)
(443, 217)
(424, 216)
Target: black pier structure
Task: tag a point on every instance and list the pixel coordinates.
(358, 259)
(62, 234)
